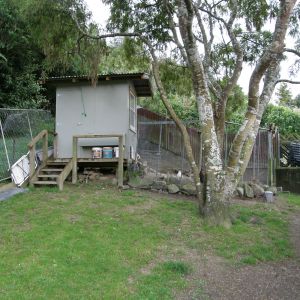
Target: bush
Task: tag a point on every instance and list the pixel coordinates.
(284, 118)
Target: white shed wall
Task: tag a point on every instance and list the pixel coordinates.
(92, 110)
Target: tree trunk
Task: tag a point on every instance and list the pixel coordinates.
(181, 126)
(215, 206)
(220, 125)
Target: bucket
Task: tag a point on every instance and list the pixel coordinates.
(116, 152)
(269, 196)
(97, 152)
(107, 152)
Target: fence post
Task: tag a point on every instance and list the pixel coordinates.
(120, 162)
(270, 159)
(4, 143)
(74, 158)
(200, 150)
(31, 161)
(45, 146)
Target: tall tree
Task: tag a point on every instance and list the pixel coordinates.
(297, 101)
(213, 39)
(190, 28)
(19, 61)
(284, 95)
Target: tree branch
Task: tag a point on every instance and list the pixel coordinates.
(174, 32)
(272, 54)
(101, 36)
(287, 81)
(292, 51)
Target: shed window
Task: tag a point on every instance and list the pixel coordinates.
(132, 111)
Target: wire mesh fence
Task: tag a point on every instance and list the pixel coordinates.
(17, 128)
(160, 144)
(263, 151)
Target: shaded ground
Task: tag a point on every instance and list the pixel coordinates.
(215, 278)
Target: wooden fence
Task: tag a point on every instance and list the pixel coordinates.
(288, 170)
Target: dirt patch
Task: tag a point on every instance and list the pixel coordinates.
(73, 218)
(295, 235)
(214, 278)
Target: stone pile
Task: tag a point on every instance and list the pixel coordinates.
(168, 183)
(253, 189)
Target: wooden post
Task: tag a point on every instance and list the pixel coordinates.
(31, 161)
(45, 146)
(200, 150)
(74, 159)
(120, 162)
(270, 160)
(55, 145)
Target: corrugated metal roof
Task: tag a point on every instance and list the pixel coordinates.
(140, 81)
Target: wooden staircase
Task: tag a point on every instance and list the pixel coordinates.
(52, 173)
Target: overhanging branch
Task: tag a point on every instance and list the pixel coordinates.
(101, 36)
(287, 81)
(292, 51)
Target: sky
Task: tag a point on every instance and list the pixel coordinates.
(100, 14)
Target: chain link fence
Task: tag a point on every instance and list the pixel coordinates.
(160, 144)
(17, 128)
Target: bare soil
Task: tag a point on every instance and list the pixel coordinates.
(214, 278)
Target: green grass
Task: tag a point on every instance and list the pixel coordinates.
(94, 242)
(292, 199)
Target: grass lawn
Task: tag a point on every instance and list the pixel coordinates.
(94, 242)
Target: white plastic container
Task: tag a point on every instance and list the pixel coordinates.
(269, 196)
(116, 152)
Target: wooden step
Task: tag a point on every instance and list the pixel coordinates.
(45, 183)
(51, 170)
(56, 163)
(48, 175)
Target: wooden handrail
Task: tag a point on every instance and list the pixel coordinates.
(37, 138)
(32, 151)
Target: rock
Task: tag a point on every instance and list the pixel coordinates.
(141, 183)
(180, 181)
(273, 189)
(173, 180)
(248, 191)
(189, 189)
(93, 176)
(125, 187)
(257, 190)
(240, 191)
(173, 188)
(159, 185)
(255, 220)
(114, 181)
(266, 187)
